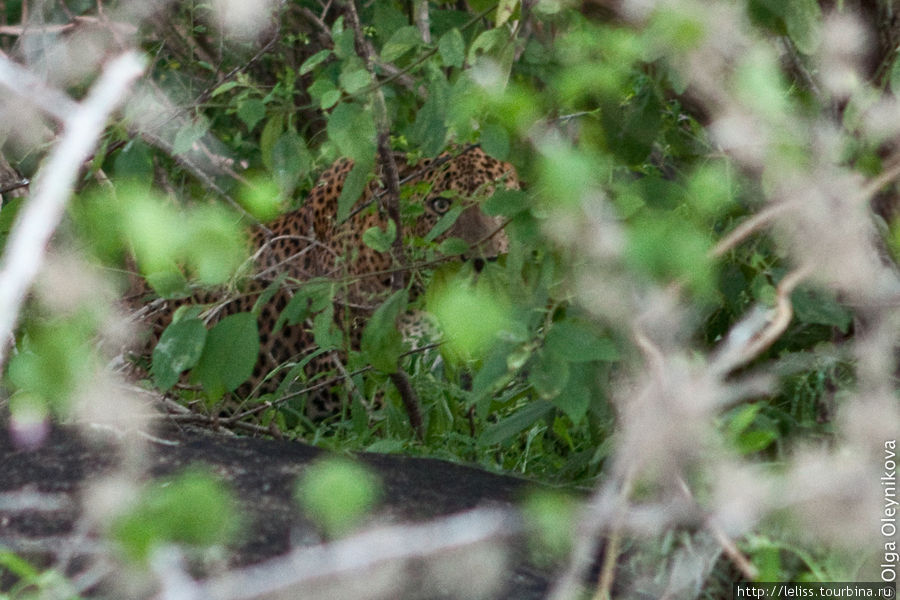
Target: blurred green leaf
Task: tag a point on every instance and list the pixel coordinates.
(291, 161)
(261, 198)
(453, 305)
(337, 493)
(551, 518)
(134, 162)
(193, 509)
(495, 141)
(803, 20)
(188, 135)
(507, 203)
(270, 134)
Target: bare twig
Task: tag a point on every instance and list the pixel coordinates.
(760, 220)
(31, 233)
(423, 22)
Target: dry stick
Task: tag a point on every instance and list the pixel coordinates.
(765, 217)
(762, 219)
(737, 558)
(390, 201)
(33, 228)
(781, 317)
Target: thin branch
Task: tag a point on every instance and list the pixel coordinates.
(53, 185)
(28, 86)
(760, 220)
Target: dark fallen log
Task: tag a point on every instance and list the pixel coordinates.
(442, 530)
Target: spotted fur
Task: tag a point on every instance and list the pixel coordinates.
(309, 244)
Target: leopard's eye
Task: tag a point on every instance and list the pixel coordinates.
(441, 205)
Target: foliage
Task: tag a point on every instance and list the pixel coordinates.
(337, 494)
(193, 509)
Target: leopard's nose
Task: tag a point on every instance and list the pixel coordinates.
(478, 264)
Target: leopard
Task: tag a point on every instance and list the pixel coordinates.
(310, 245)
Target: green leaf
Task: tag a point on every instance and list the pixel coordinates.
(820, 308)
(325, 92)
(575, 398)
(224, 88)
(309, 299)
(402, 41)
(215, 246)
(507, 203)
(454, 306)
(552, 517)
(337, 493)
(251, 112)
(354, 184)
(453, 246)
(231, 352)
(344, 45)
(355, 80)
(444, 223)
(270, 134)
(452, 48)
(549, 374)
(188, 135)
(179, 348)
(267, 294)
(487, 42)
(134, 161)
(575, 341)
(803, 20)
(895, 76)
(505, 10)
(313, 61)
(325, 332)
(194, 509)
(381, 343)
(495, 141)
(430, 129)
(516, 423)
(261, 197)
(379, 240)
(290, 161)
(351, 128)
(756, 440)
(742, 418)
